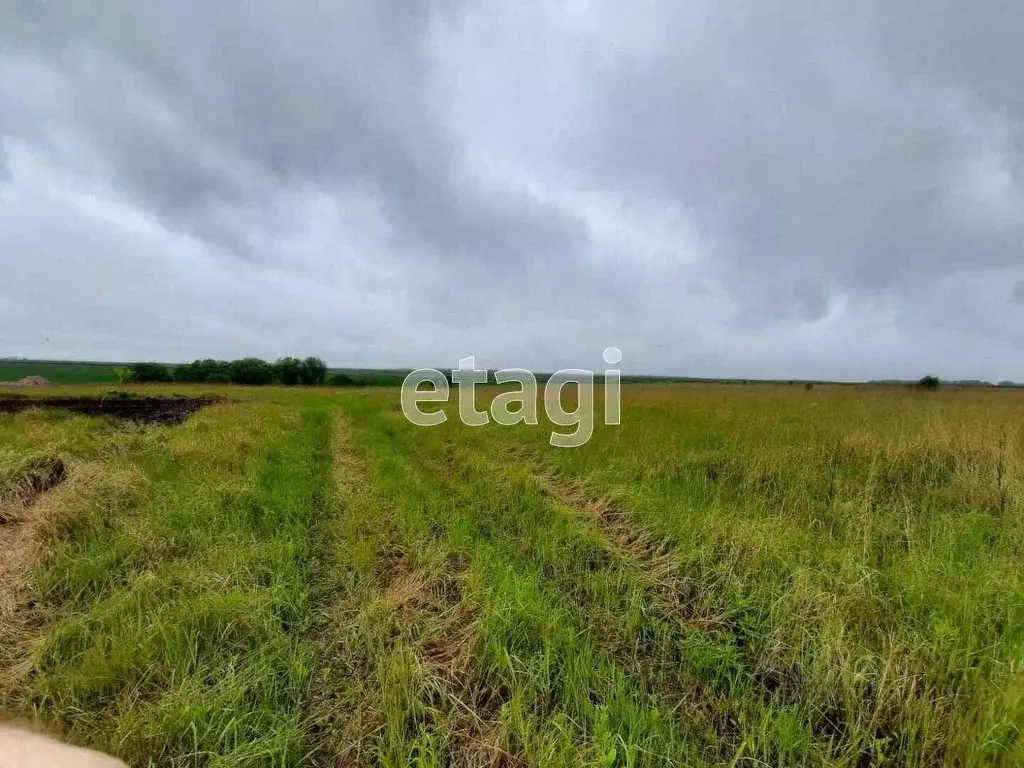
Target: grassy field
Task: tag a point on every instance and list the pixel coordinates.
(734, 576)
(59, 372)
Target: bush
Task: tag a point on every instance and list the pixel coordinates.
(312, 372)
(341, 380)
(141, 373)
(928, 382)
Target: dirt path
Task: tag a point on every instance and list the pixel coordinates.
(633, 541)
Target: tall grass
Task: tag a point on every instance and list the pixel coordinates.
(864, 546)
(734, 576)
(178, 582)
(827, 578)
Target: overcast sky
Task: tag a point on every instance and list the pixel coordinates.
(812, 189)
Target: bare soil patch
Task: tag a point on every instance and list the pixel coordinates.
(20, 521)
(36, 477)
(146, 410)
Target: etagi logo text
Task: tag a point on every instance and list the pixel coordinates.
(519, 406)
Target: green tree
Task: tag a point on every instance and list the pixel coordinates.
(928, 382)
(288, 370)
(251, 371)
(188, 373)
(141, 373)
(208, 371)
(312, 372)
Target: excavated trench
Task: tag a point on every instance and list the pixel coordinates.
(141, 409)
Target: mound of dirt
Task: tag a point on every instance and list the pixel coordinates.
(146, 410)
(27, 381)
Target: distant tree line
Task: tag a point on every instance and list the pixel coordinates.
(934, 382)
(312, 371)
(251, 371)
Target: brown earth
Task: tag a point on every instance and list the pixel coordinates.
(39, 476)
(22, 514)
(147, 410)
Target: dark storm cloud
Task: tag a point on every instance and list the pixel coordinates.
(812, 190)
(194, 106)
(826, 149)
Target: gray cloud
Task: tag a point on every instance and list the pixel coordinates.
(1017, 295)
(821, 159)
(720, 191)
(195, 108)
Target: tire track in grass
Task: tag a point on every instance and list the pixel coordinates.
(539, 583)
(360, 556)
(394, 637)
(554, 668)
(560, 692)
(675, 598)
(679, 625)
(638, 543)
(650, 558)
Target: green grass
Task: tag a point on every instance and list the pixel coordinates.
(178, 581)
(735, 576)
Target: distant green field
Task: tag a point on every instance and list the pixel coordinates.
(372, 377)
(59, 372)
